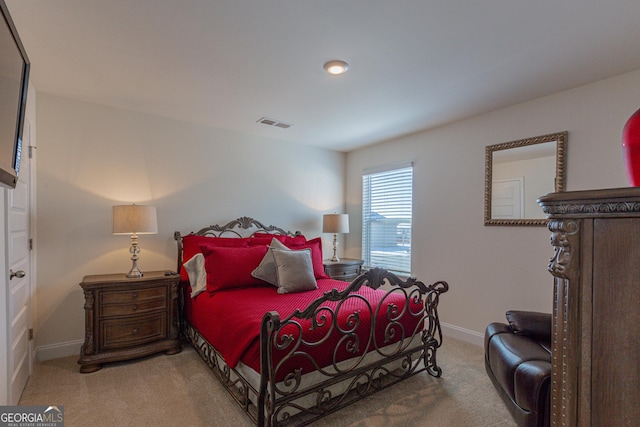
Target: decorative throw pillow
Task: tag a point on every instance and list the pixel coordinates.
(191, 246)
(231, 267)
(316, 256)
(197, 274)
(267, 269)
(295, 270)
(266, 238)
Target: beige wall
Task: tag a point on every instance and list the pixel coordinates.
(91, 157)
(494, 269)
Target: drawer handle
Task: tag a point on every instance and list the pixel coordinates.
(135, 331)
(134, 295)
(135, 307)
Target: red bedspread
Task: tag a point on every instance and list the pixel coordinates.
(230, 321)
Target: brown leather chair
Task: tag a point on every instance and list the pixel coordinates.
(518, 361)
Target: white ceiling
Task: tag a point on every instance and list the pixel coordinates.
(414, 64)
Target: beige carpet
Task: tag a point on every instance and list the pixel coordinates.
(179, 390)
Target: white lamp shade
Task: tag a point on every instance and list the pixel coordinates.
(135, 219)
(335, 223)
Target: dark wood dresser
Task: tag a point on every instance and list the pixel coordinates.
(346, 269)
(128, 318)
(596, 310)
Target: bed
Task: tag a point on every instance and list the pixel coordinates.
(290, 344)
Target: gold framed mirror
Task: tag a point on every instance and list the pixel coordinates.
(517, 173)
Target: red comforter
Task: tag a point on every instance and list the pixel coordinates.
(230, 320)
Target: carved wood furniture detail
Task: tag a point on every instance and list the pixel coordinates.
(596, 309)
(128, 318)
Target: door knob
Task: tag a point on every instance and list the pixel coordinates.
(19, 274)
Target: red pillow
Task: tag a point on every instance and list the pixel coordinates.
(265, 239)
(191, 246)
(229, 267)
(316, 256)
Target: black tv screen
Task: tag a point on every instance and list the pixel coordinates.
(14, 79)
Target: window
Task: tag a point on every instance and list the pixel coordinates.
(387, 200)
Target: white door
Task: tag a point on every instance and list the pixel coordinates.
(19, 266)
(507, 198)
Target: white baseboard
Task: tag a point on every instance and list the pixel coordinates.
(463, 334)
(56, 351)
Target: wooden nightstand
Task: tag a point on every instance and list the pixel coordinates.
(346, 269)
(128, 318)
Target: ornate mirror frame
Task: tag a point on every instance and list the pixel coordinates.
(561, 147)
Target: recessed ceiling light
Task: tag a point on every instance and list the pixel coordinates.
(336, 67)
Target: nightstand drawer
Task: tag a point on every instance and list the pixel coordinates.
(109, 310)
(136, 331)
(132, 295)
(344, 271)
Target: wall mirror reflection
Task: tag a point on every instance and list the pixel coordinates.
(517, 173)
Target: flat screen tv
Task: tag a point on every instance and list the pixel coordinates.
(14, 79)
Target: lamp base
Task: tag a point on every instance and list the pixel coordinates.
(134, 250)
(335, 248)
(134, 273)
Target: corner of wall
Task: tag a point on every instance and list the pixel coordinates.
(463, 334)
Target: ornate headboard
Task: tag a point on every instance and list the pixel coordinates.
(242, 227)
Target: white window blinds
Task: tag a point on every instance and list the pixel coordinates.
(387, 201)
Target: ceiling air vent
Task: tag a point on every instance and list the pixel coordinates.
(274, 122)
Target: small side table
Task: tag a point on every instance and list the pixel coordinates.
(346, 269)
(129, 318)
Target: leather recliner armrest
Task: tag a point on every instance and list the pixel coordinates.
(530, 323)
(493, 329)
(532, 380)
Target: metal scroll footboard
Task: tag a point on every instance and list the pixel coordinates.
(398, 355)
(296, 402)
(272, 403)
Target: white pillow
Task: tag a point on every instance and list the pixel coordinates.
(266, 270)
(294, 270)
(197, 274)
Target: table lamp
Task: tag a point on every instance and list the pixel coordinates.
(134, 219)
(335, 223)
